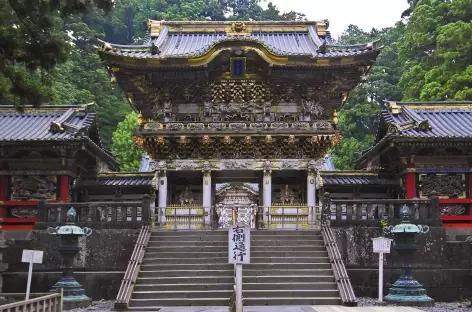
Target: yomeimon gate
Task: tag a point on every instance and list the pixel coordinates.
(244, 108)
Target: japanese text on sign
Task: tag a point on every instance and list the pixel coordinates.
(239, 244)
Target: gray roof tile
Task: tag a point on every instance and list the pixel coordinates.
(445, 121)
(186, 44)
(47, 124)
(359, 180)
(118, 180)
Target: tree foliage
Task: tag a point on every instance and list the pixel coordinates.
(359, 116)
(32, 43)
(128, 154)
(436, 51)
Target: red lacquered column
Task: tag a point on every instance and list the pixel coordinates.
(64, 189)
(410, 182)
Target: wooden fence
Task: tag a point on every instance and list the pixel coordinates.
(369, 212)
(47, 303)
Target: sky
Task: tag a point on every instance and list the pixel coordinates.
(366, 14)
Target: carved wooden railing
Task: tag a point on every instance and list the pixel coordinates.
(368, 212)
(288, 217)
(132, 271)
(49, 303)
(133, 213)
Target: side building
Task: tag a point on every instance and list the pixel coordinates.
(428, 146)
(43, 151)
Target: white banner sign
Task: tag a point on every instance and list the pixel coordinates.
(239, 244)
(34, 256)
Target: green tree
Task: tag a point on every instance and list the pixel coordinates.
(358, 118)
(128, 154)
(436, 51)
(32, 44)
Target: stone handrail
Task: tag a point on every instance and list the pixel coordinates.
(97, 213)
(48, 303)
(134, 264)
(340, 273)
(369, 212)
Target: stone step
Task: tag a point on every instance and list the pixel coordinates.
(229, 286)
(180, 287)
(222, 238)
(255, 243)
(286, 237)
(292, 301)
(187, 273)
(328, 278)
(197, 237)
(182, 294)
(254, 232)
(197, 249)
(264, 293)
(186, 266)
(226, 266)
(227, 293)
(153, 253)
(189, 233)
(159, 258)
(155, 304)
(177, 302)
(229, 272)
(185, 280)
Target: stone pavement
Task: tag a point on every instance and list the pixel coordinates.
(294, 309)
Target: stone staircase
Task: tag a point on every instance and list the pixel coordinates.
(190, 268)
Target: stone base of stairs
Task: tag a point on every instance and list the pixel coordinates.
(290, 309)
(190, 269)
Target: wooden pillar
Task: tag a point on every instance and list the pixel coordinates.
(64, 188)
(3, 194)
(410, 182)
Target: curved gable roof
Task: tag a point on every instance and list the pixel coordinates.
(187, 40)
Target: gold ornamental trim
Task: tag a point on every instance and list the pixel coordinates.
(237, 27)
(212, 53)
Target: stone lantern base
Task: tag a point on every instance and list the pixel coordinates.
(74, 294)
(408, 292)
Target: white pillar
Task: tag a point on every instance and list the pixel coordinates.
(311, 191)
(267, 191)
(162, 185)
(207, 196)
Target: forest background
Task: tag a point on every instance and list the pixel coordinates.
(47, 56)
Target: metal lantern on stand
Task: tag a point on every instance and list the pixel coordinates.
(406, 290)
(74, 293)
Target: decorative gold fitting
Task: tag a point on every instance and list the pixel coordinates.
(247, 139)
(140, 119)
(206, 139)
(183, 140)
(268, 139)
(335, 117)
(138, 141)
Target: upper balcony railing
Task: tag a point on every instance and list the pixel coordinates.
(369, 212)
(338, 213)
(212, 127)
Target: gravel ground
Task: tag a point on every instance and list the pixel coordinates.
(107, 306)
(97, 306)
(438, 307)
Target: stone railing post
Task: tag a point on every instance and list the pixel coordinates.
(146, 208)
(326, 210)
(435, 210)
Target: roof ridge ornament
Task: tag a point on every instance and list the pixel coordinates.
(394, 108)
